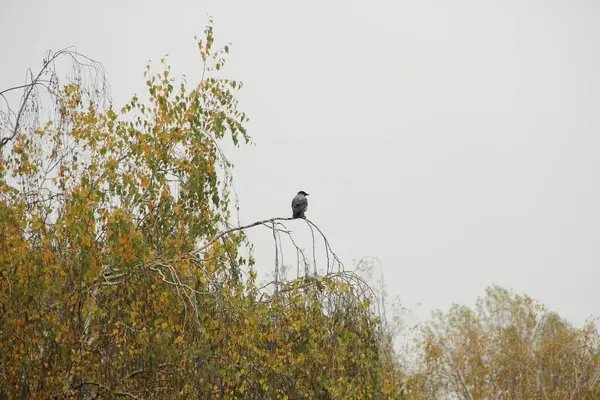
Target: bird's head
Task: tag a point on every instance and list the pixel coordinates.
(302, 192)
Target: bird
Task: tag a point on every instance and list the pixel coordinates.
(299, 205)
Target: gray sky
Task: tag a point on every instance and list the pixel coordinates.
(455, 140)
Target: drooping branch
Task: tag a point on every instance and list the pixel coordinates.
(51, 85)
(276, 259)
(314, 253)
(271, 224)
(328, 248)
(361, 288)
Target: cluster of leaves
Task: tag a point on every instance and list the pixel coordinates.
(111, 284)
(508, 347)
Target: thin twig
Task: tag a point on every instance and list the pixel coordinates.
(276, 260)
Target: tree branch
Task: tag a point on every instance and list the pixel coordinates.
(101, 386)
(50, 85)
(235, 229)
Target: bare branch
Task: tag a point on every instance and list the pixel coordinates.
(276, 259)
(116, 393)
(28, 99)
(235, 229)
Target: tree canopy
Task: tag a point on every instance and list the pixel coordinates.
(508, 347)
(120, 275)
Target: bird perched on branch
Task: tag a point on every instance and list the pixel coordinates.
(299, 205)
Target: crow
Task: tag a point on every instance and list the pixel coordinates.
(299, 205)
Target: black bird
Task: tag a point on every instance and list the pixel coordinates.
(299, 205)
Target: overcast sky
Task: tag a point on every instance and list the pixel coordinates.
(458, 141)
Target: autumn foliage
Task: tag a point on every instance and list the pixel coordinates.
(111, 284)
(507, 347)
(122, 276)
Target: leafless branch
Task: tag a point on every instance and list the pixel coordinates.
(30, 89)
(235, 229)
(106, 388)
(276, 259)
